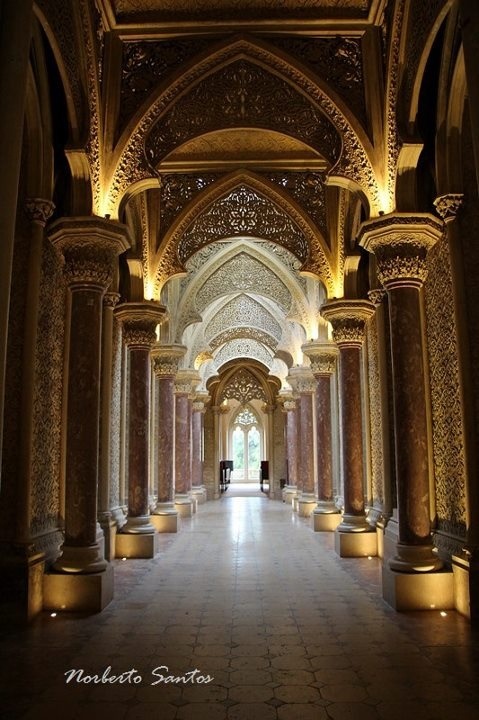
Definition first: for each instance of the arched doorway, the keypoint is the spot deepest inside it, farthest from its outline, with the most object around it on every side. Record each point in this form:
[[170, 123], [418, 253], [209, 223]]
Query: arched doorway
[[246, 439]]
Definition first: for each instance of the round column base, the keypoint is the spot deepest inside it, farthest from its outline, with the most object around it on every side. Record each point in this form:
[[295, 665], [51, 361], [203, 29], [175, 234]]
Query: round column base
[[306, 505], [415, 559], [80, 560], [354, 524], [184, 505], [140, 525], [199, 492], [289, 493], [326, 507]]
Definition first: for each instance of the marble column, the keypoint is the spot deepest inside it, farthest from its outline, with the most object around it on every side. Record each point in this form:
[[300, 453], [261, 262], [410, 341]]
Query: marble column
[[90, 247], [165, 365], [291, 440], [185, 383], [400, 243], [138, 536], [323, 357], [105, 517], [15, 36], [303, 383], [198, 490], [354, 536]]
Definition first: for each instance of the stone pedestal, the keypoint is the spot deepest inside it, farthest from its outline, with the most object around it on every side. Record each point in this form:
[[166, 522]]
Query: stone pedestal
[[325, 521], [400, 243], [418, 591], [78, 593], [90, 247], [165, 366], [349, 318], [139, 321]]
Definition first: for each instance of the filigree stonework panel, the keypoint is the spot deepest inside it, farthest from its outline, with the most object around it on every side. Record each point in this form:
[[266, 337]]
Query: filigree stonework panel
[[147, 63], [47, 427], [243, 332], [246, 95], [176, 192], [447, 422], [308, 190], [243, 348], [375, 409], [336, 59], [243, 212], [243, 386], [243, 311], [246, 274]]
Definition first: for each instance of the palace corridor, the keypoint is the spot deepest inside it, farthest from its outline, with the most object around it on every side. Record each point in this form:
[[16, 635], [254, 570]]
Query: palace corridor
[[287, 636]]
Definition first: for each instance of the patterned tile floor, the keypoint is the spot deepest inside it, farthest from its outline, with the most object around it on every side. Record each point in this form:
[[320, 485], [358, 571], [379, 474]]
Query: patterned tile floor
[[247, 594]]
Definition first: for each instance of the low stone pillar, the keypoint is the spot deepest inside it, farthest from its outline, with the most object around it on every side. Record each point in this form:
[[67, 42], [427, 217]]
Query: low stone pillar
[[165, 516], [90, 246], [138, 538], [354, 536], [323, 357]]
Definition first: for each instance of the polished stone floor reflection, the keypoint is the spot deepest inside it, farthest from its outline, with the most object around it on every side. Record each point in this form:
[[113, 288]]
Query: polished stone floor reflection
[[250, 595]]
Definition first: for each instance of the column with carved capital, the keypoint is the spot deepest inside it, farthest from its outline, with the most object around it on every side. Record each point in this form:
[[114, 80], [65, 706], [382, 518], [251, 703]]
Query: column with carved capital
[[291, 442], [138, 537], [198, 490], [354, 536], [165, 366], [185, 383], [323, 356], [303, 383], [90, 247], [400, 243]]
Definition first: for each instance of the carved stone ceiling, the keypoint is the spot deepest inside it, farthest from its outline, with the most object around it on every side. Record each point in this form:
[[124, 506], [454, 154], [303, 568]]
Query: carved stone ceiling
[[197, 9]]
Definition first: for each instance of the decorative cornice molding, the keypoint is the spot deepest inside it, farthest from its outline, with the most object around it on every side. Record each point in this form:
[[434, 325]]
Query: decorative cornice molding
[[401, 243]]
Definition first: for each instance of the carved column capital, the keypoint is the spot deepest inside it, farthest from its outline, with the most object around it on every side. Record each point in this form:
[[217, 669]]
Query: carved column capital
[[449, 205], [289, 405], [323, 357], [401, 243], [201, 399], [166, 359], [139, 320], [90, 247], [186, 381], [302, 380], [111, 299], [39, 210], [348, 319], [377, 296]]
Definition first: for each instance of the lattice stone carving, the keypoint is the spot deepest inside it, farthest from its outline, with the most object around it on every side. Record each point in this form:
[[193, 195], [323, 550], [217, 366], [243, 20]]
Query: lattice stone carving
[[246, 95], [243, 348], [247, 274], [172, 9], [336, 59], [447, 422], [146, 63], [246, 312], [243, 332], [177, 190], [243, 212], [308, 189], [244, 387]]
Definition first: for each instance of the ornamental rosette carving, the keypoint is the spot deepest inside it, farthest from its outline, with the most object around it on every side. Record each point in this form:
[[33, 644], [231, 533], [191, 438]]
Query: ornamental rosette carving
[[448, 206], [401, 244], [349, 319]]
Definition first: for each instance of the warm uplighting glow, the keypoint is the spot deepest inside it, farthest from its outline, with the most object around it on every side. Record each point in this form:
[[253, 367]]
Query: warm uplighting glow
[[386, 204], [53, 614], [443, 614], [123, 559], [150, 290], [369, 557]]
